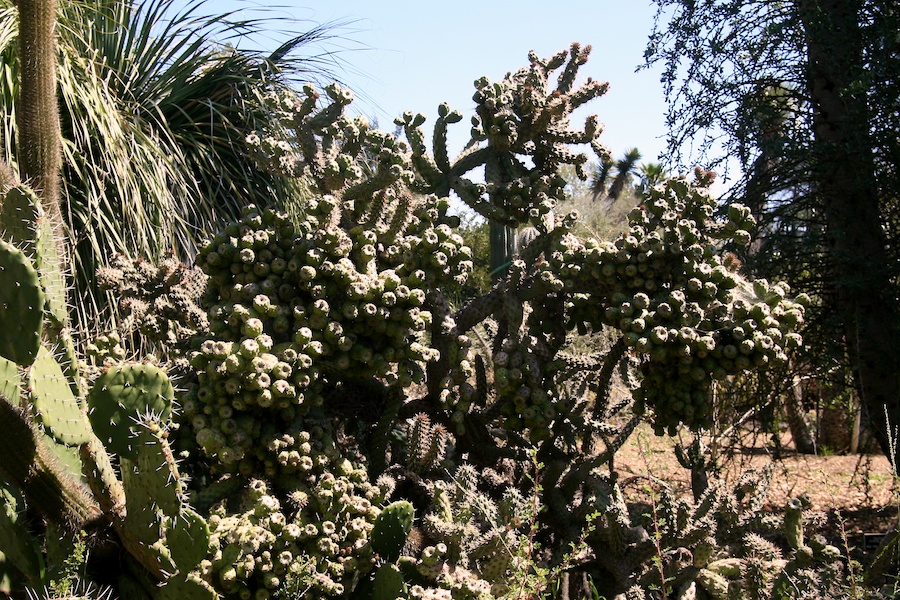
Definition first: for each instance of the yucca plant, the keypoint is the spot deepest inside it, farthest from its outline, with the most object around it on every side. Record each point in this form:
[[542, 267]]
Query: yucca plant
[[154, 105]]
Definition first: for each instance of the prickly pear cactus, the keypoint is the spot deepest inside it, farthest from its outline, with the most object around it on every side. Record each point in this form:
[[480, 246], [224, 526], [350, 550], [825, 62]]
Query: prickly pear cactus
[[21, 306], [391, 529], [121, 397]]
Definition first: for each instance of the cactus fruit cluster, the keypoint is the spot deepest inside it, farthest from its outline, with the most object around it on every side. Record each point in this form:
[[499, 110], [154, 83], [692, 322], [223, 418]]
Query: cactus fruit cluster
[[323, 374]]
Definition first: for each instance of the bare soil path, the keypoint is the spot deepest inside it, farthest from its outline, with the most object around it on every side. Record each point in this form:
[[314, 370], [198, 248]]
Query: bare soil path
[[858, 491]]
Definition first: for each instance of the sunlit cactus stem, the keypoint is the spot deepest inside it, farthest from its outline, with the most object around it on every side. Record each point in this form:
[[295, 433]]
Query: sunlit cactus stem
[[39, 151]]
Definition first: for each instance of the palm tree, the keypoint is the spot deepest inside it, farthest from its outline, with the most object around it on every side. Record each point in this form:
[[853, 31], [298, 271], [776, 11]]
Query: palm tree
[[652, 174], [624, 169], [600, 177], [155, 108]]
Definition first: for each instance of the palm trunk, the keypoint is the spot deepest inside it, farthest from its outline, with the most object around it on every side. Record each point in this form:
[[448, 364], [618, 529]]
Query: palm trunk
[[844, 171]]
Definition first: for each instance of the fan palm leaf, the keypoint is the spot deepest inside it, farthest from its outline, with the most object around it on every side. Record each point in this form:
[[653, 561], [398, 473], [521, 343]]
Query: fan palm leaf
[[624, 169], [155, 107]]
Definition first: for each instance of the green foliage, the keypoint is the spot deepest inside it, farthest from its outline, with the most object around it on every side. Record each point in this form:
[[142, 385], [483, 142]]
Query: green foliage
[[154, 103], [330, 371]]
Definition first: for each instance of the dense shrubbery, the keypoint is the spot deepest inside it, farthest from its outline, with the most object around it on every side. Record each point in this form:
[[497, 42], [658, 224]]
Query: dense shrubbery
[[336, 433]]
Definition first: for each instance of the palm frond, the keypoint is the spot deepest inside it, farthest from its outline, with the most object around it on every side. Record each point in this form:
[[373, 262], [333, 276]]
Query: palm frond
[[157, 102]]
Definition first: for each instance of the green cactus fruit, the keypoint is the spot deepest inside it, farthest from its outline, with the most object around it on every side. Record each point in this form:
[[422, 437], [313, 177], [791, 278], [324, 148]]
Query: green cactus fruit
[[19, 546], [187, 588], [391, 529], [123, 395], [9, 381], [187, 536], [389, 583], [56, 406], [21, 303]]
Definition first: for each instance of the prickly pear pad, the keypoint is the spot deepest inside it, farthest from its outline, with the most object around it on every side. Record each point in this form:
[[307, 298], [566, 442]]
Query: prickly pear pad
[[20, 216], [121, 396], [21, 303], [9, 381], [389, 583], [57, 408], [187, 537], [25, 227], [391, 529], [19, 546]]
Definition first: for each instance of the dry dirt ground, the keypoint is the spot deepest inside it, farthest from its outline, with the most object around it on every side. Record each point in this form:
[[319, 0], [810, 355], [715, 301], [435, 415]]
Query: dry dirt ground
[[858, 492]]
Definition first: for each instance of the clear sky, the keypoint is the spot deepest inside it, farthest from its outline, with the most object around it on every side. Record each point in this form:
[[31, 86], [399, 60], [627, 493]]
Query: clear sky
[[412, 55]]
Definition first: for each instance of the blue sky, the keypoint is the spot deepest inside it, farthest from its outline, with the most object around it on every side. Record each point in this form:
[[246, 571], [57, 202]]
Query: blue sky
[[404, 55]]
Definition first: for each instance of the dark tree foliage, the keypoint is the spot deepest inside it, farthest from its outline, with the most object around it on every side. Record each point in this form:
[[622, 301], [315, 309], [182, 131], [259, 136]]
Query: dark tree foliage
[[803, 95]]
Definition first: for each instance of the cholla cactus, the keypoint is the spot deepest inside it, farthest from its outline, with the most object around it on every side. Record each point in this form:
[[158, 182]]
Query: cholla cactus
[[475, 540], [332, 326], [158, 300], [315, 542], [426, 444]]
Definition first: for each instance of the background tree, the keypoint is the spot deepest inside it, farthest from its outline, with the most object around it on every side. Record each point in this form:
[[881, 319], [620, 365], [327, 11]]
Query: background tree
[[624, 173], [651, 175], [621, 171], [801, 93]]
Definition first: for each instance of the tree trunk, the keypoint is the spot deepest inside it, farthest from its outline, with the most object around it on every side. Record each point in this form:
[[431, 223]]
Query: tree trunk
[[797, 422], [843, 170], [503, 240]]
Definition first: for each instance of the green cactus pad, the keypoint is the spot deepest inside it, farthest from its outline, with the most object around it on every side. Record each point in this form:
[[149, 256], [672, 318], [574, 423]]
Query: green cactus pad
[[188, 588], [187, 536], [20, 219], [50, 270], [391, 529], [21, 302], [153, 480], [151, 483], [26, 228], [9, 381], [68, 456], [56, 406], [19, 546], [389, 583], [120, 397]]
